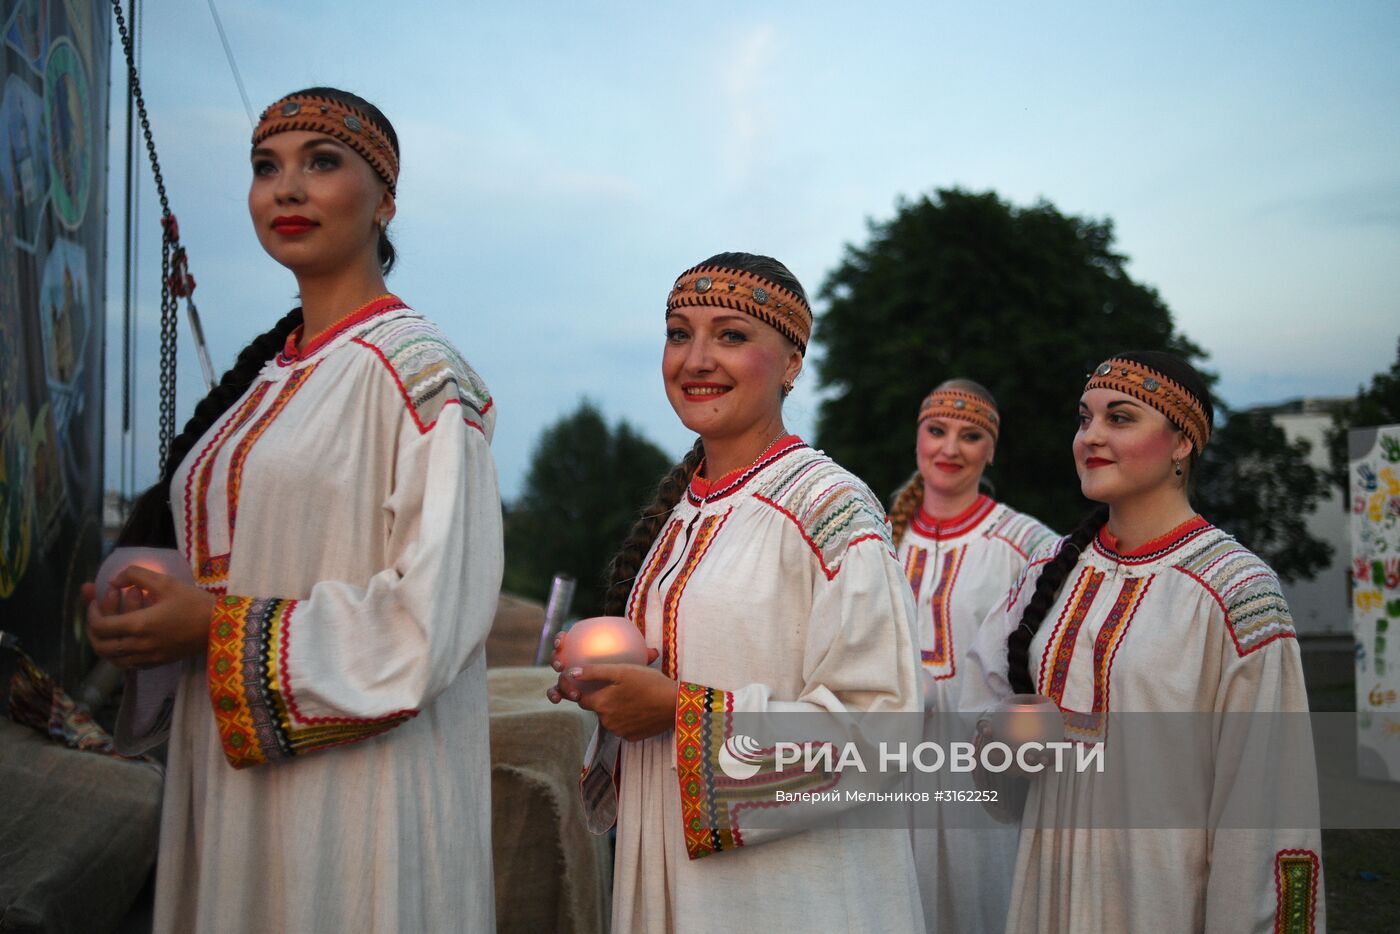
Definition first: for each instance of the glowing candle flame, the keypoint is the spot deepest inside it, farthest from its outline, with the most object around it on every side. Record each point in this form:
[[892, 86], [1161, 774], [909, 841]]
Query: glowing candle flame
[[602, 640], [1028, 718], [166, 561]]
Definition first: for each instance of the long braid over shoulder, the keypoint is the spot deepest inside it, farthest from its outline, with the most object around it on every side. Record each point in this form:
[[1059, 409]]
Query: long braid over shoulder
[[907, 503], [623, 568], [151, 521], [1047, 587]]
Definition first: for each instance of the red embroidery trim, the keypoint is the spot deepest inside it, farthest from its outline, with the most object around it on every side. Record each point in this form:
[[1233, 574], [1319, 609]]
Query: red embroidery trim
[[942, 657], [701, 490], [961, 524], [408, 400], [379, 306], [1239, 650], [1282, 923], [1066, 629], [915, 560], [670, 608], [830, 574], [637, 613], [210, 569], [1160, 546]]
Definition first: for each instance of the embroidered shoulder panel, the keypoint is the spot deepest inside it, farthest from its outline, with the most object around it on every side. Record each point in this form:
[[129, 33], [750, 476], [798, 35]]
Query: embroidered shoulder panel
[[1246, 588], [831, 507], [1023, 533], [429, 371]]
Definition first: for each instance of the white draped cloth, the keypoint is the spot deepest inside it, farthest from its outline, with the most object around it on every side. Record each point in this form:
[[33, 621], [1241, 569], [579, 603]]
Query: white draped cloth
[[773, 589], [329, 764], [1190, 622], [961, 569]]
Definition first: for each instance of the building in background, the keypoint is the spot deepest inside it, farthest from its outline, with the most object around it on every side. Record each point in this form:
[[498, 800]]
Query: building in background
[[1321, 606]]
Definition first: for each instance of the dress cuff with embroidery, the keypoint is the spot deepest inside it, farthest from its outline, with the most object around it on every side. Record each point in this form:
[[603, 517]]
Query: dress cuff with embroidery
[[257, 717], [700, 738], [1295, 881]]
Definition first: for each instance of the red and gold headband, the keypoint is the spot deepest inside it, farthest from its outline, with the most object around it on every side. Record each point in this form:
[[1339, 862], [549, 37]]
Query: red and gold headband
[[1158, 390], [779, 308], [959, 403], [317, 114]]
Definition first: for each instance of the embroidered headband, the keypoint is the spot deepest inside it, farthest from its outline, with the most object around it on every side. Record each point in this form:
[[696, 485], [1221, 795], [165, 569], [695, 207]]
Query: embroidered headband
[[779, 308], [959, 403], [1158, 390], [327, 115]]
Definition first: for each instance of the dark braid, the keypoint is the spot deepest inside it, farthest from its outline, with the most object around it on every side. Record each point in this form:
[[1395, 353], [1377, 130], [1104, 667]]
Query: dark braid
[[151, 521], [622, 570], [1047, 587]]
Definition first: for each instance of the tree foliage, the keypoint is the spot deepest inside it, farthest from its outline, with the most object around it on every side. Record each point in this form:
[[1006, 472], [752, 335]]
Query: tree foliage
[[1027, 301], [1024, 300], [582, 491], [1260, 487], [1377, 404]]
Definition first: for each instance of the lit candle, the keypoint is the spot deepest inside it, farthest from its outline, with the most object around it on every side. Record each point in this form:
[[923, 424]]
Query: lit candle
[[1028, 718], [166, 561], [602, 640]]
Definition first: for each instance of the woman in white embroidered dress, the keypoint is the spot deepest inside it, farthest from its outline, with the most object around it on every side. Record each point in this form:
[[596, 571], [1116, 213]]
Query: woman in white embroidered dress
[[1147, 608], [961, 552], [350, 445], [763, 577]]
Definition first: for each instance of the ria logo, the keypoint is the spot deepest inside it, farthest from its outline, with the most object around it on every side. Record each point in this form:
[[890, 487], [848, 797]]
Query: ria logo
[[741, 757]]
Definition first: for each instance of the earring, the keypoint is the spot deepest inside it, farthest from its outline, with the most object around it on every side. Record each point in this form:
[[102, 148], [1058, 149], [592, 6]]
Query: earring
[[1177, 465], [787, 388]]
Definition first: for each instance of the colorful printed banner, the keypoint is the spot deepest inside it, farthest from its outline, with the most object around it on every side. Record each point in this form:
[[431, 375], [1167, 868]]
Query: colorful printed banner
[[1375, 596], [53, 190]]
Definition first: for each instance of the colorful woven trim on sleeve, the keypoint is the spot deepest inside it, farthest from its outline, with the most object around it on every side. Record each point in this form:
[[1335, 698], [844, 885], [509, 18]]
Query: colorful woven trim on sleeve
[[721, 776], [253, 705], [1296, 875]]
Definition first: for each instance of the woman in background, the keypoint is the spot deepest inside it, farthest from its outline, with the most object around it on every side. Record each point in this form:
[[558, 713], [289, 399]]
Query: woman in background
[[961, 552]]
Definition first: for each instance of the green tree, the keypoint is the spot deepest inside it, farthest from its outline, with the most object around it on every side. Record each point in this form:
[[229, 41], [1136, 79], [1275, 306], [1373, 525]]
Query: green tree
[[1377, 404], [1024, 300], [1027, 301], [1259, 486], [583, 488]]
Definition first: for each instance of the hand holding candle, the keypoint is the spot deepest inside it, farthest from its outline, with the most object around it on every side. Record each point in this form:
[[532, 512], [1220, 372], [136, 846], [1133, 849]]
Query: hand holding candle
[[602, 640], [1028, 718], [165, 561], [1022, 719]]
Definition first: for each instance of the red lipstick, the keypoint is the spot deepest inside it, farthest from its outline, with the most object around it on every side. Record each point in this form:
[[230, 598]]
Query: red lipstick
[[1094, 462], [292, 225]]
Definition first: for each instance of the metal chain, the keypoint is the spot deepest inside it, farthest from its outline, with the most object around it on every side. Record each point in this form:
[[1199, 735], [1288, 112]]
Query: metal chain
[[170, 247]]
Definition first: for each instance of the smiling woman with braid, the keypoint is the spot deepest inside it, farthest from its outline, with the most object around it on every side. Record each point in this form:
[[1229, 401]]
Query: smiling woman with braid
[[336, 500], [764, 578], [1148, 608]]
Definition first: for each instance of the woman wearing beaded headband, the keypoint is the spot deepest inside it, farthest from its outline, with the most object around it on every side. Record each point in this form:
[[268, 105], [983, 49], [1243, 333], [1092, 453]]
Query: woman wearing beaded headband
[[763, 577], [350, 443], [1148, 608], [961, 551]]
